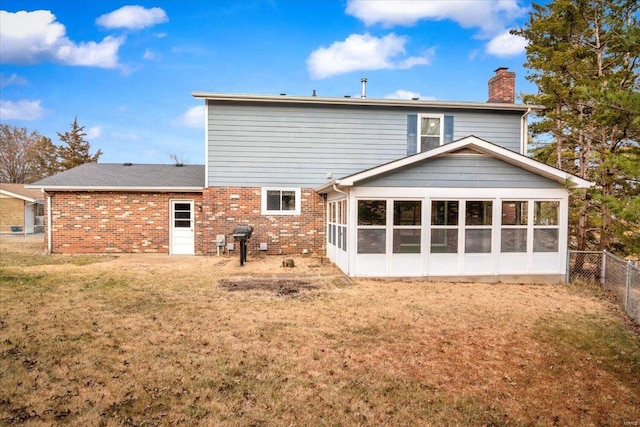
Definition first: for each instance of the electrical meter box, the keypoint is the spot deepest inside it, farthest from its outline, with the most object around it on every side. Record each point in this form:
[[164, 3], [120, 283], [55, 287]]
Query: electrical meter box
[[220, 240]]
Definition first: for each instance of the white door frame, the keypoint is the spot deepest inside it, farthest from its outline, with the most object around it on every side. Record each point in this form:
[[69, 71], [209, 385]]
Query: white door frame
[[181, 228]]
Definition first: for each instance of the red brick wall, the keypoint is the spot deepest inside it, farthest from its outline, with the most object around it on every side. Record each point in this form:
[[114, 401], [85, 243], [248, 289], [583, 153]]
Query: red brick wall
[[125, 222], [223, 208], [101, 222]]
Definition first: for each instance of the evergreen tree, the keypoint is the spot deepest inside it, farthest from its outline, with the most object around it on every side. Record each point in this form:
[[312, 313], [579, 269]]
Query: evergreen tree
[[44, 159], [75, 149], [584, 56]]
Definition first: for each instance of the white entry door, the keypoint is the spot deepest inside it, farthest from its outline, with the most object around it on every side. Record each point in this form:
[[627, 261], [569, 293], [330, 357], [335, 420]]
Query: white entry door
[[182, 231]]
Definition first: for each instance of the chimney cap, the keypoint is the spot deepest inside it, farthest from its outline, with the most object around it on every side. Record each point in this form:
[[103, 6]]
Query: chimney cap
[[500, 69]]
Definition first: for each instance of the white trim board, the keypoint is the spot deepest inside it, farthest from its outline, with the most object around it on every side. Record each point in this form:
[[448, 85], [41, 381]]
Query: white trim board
[[470, 142]]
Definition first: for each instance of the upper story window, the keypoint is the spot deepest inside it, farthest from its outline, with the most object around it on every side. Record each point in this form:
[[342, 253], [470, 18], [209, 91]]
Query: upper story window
[[431, 133], [281, 201]]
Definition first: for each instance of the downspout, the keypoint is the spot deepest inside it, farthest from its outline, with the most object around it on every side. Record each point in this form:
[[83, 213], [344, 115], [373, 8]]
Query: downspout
[[49, 223], [335, 188], [524, 132]]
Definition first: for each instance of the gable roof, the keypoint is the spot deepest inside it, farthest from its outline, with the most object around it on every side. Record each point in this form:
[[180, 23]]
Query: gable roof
[[126, 177], [19, 191], [365, 102], [469, 143]]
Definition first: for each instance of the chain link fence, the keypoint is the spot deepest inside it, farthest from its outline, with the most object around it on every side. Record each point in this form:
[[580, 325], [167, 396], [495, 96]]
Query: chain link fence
[[620, 276]]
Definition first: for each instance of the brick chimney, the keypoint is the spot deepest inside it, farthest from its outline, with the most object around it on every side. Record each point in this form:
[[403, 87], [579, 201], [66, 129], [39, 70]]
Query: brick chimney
[[502, 86]]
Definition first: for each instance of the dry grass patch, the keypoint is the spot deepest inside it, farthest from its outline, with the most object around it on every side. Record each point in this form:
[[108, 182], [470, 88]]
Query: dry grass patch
[[157, 340]]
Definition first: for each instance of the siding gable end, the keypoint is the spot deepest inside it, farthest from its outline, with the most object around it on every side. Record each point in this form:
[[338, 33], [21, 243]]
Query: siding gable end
[[462, 170]]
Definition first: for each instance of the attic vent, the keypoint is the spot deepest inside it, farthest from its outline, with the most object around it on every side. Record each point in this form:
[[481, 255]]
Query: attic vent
[[127, 164]]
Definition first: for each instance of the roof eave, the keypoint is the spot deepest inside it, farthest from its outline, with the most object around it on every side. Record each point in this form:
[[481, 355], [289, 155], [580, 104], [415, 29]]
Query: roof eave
[[325, 188], [18, 196], [119, 189], [483, 147], [403, 103]]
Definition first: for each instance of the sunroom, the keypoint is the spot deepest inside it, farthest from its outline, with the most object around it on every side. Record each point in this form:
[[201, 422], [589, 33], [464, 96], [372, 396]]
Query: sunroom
[[468, 210]]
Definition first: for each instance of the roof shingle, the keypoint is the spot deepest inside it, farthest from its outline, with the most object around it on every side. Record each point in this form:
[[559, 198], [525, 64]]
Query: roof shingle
[[122, 176]]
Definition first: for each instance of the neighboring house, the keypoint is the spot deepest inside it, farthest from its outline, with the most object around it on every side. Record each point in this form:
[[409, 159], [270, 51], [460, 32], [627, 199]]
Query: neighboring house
[[21, 209], [381, 187]]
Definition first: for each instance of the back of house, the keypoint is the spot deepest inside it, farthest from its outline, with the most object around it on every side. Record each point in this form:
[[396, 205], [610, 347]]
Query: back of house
[[389, 187], [381, 187]]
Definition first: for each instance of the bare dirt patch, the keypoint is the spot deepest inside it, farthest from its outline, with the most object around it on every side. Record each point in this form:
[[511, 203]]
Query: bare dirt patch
[[286, 287]]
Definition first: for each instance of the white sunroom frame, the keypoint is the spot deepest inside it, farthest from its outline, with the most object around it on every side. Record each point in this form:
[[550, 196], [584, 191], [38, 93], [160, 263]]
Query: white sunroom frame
[[522, 266]]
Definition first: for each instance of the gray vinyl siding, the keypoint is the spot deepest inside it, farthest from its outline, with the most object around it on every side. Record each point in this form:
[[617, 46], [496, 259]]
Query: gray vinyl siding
[[298, 145], [462, 171], [502, 129]]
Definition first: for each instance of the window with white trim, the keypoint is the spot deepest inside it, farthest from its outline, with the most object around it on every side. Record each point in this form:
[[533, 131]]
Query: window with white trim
[[372, 226], [513, 235], [477, 221], [280, 201], [546, 231], [431, 131], [444, 226], [407, 226], [337, 227]]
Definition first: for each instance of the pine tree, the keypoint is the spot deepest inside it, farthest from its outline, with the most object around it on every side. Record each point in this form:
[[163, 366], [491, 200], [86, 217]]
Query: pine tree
[[75, 149], [584, 56], [44, 159]]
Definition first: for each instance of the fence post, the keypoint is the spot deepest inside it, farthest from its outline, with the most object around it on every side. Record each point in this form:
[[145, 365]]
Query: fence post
[[603, 273], [567, 274], [627, 287]]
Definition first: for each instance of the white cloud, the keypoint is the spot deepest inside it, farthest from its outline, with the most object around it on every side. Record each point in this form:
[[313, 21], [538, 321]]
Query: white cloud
[[506, 44], [11, 80], [21, 110], [33, 37], [487, 15], [407, 94], [103, 54], [148, 54], [94, 132], [193, 117], [133, 18], [361, 52]]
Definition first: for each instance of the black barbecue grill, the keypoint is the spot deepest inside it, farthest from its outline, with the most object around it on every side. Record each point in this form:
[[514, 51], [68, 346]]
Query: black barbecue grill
[[242, 233]]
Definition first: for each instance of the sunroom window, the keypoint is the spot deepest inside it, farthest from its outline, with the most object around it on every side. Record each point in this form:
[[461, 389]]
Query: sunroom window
[[372, 222], [514, 226], [444, 226], [407, 221], [337, 229], [478, 219], [545, 226]]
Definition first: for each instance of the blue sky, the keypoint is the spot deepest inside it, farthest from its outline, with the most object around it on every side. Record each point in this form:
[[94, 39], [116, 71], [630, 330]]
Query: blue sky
[[127, 69]]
